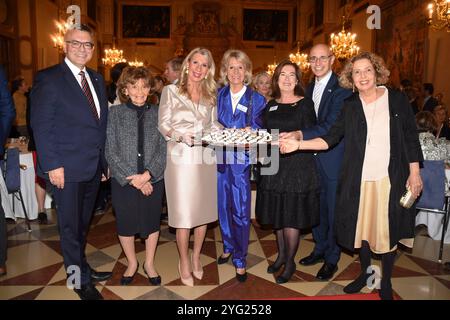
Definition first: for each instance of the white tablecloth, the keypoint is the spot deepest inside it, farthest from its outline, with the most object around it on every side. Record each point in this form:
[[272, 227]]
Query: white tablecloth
[[433, 221], [27, 186]]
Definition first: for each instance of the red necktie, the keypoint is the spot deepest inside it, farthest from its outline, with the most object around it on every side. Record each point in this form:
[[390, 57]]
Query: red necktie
[[88, 93]]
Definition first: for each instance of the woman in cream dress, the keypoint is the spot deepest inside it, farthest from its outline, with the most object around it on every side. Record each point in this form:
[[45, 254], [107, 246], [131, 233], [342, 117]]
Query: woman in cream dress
[[186, 111]]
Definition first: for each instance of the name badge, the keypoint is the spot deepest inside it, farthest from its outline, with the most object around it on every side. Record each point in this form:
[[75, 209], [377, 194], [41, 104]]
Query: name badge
[[273, 108], [242, 108]]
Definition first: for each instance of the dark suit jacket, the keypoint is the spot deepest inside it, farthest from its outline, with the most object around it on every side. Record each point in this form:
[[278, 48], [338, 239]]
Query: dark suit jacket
[[7, 110], [430, 104], [329, 109], [66, 132], [404, 149]]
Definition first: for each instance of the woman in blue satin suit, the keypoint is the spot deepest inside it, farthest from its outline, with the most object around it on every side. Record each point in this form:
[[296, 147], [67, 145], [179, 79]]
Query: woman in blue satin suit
[[238, 106]]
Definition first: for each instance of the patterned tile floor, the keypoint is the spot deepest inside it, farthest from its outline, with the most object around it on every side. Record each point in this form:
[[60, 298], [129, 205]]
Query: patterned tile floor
[[35, 267]]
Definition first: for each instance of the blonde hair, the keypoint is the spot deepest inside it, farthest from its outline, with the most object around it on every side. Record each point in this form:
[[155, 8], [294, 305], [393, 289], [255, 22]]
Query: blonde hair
[[240, 56], [258, 76], [208, 85], [381, 71]]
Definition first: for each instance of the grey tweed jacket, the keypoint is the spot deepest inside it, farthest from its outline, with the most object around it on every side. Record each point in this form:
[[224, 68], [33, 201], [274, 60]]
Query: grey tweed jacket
[[122, 143]]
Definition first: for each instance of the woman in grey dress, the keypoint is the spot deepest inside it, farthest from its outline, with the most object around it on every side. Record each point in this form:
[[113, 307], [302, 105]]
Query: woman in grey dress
[[136, 154], [186, 110]]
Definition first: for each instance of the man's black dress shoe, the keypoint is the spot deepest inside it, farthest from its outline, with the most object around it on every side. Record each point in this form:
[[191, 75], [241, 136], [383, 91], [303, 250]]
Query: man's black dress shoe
[[222, 260], [88, 292], [311, 259], [100, 276], [124, 281], [327, 271], [156, 281]]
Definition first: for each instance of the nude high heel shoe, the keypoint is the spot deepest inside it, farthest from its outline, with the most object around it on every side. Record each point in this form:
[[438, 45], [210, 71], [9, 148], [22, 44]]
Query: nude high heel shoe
[[197, 274], [186, 281]]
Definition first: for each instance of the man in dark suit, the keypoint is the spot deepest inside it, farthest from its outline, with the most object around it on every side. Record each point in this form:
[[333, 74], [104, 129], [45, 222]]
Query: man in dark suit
[[328, 98], [429, 102], [68, 117], [7, 116]]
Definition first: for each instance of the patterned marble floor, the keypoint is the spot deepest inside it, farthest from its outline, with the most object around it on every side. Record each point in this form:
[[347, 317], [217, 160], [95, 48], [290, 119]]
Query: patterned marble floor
[[35, 267]]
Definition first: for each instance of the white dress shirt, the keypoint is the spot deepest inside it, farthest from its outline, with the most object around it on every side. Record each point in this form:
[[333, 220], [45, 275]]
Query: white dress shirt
[[75, 70], [236, 97], [319, 88]]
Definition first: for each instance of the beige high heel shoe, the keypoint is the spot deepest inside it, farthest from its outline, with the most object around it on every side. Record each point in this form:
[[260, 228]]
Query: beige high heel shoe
[[186, 281], [197, 274]]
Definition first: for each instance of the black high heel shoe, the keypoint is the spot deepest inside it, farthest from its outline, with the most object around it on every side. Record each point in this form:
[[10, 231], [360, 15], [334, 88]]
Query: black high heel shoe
[[223, 260], [155, 281], [124, 281], [287, 274], [274, 268], [241, 277]]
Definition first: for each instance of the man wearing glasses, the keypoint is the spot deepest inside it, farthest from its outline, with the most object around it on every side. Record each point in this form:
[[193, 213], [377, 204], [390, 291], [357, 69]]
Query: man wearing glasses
[[328, 98], [68, 118]]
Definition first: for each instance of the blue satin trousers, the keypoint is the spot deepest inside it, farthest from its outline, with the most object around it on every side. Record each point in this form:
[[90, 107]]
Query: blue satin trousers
[[234, 201]]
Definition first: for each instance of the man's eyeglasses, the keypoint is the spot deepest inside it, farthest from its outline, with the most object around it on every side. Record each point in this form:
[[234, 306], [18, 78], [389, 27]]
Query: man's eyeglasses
[[77, 44], [321, 59]]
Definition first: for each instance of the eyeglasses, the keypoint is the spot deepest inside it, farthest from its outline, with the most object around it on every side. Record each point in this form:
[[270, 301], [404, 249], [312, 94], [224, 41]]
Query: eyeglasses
[[360, 73], [77, 44], [321, 59]]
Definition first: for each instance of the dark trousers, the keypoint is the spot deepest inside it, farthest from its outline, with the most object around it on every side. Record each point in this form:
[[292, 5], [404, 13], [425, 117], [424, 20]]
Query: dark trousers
[[75, 204], [3, 235], [324, 233]]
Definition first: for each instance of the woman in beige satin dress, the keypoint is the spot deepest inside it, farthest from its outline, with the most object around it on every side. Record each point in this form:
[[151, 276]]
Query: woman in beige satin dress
[[186, 111]]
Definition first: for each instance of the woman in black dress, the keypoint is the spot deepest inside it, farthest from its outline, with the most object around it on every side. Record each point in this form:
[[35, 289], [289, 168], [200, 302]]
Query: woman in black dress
[[136, 154], [289, 199]]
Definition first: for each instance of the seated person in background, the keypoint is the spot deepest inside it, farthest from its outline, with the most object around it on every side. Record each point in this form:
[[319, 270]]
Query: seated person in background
[[442, 129], [432, 147]]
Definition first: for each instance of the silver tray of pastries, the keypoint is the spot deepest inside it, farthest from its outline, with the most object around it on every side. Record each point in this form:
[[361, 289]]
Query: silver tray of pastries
[[237, 137]]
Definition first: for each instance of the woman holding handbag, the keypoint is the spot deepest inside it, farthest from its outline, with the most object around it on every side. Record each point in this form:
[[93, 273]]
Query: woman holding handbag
[[238, 107]]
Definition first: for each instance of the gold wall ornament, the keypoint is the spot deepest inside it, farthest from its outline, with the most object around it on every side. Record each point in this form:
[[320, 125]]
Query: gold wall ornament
[[439, 15], [344, 45]]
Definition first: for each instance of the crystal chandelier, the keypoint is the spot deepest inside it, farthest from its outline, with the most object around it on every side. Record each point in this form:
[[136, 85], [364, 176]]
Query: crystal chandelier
[[58, 37], [136, 63], [343, 44], [112, 57], [442, 16], [300, 59], [271, 67]]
